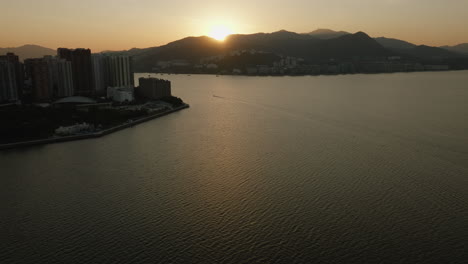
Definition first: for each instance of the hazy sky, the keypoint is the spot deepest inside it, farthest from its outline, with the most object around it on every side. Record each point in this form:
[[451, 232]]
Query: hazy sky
[[123, 24]]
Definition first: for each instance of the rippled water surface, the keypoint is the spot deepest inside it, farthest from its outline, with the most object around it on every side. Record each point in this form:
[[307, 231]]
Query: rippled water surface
[[338, 169]]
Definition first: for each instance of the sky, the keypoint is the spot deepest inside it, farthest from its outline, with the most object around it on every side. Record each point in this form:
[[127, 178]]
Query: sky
[[124, 24]]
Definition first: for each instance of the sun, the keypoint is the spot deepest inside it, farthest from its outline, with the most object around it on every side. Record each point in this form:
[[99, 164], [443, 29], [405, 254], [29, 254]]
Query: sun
[[220, 32]]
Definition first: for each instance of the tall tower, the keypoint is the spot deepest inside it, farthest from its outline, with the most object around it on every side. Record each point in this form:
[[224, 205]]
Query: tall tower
[[61, 76], [37, 71], [12, 70], [82, 69], [8, 88], [120, 71], [100, 73]]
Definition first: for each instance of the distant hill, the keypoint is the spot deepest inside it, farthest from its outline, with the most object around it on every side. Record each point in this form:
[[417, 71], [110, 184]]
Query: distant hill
[[351, 46], [422, 51], [430, 53], [29, 51], [190, 49], [461, 48], [394, 44], [130, 52], [327, 33], [313, 48], [281, 42], [310, 48]]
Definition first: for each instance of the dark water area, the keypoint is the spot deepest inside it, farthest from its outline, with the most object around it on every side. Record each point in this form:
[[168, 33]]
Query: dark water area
[[330, 169]]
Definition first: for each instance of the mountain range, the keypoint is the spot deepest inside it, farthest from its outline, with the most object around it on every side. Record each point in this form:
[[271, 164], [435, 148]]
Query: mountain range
[[29, 51], [323, 33], [318, 46], [286, 43], [461, 48]]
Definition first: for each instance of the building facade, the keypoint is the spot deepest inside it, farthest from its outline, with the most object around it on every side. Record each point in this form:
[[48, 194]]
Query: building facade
[[12, 78], [121, 94], [153, 88], [81, 69], [120, 70], [8, 87], [111, 71], [100, 74], [37, 73], [60, 76]]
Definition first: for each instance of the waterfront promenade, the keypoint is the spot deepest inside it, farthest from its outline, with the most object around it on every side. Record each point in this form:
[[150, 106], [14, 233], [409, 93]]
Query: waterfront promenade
[[91, 135]]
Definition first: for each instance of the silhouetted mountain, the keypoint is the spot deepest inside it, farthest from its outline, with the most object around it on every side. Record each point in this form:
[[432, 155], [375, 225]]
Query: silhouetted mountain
[[189, 49], [281, 42], [351, 46], [430, 53], [312, 49], [130, 52], [394, 44], [29, 51], [421, 52], [284, 34], [461, 48], [346, 48], [327, 33]]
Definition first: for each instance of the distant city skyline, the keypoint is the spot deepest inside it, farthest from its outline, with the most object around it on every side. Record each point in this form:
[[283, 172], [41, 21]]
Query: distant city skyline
[[124, 24]]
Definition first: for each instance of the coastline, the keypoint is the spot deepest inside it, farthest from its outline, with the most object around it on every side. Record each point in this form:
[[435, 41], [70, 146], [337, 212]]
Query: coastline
[[90, 135], [294, 75]]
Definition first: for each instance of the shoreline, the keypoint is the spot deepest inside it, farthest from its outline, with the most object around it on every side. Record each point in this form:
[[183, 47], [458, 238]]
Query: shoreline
[[90, 135], [301, 75]]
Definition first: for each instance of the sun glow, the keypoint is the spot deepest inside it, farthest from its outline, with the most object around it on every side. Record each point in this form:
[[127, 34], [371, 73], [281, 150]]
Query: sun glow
[[220, 32]]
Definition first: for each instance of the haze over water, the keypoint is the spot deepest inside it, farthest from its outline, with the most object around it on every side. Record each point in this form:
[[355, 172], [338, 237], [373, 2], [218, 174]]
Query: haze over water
[[329, 169]]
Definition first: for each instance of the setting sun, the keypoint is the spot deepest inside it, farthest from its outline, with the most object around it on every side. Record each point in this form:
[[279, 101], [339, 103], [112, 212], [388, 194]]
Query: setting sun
[[220, 32]]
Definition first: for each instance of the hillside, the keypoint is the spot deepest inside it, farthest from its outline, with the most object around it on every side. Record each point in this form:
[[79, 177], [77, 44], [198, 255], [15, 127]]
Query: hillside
[[430, 53], [394, 44], [312, 49], [29, 51], [461, 48], [190, 49], [327, 33]]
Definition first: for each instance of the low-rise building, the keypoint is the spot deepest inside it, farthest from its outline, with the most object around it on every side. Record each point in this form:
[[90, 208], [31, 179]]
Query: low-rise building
[[121, 94]]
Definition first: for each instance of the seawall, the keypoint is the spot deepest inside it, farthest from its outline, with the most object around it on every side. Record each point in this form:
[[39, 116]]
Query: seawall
[[90, 135]]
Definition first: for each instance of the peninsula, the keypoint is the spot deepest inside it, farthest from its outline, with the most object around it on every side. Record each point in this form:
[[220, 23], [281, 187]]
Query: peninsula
[[35, 125], [75, 95]]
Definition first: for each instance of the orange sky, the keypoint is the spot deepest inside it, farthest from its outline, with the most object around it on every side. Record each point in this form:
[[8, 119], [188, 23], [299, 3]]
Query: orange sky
[[124, 24]]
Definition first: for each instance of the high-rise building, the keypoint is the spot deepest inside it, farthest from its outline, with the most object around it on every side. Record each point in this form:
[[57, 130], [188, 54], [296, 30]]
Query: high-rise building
[[18, 71], [60, 76], [100, 73], [8, 87], [37, 72], [82, 69], [120, 71], [112, 71], [153, 88]]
